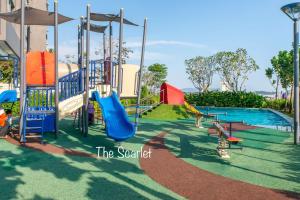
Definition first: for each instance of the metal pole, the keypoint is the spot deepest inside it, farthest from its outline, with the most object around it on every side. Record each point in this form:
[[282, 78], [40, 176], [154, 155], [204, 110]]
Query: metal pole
[[22, 59], [296, 83], [81, 67], [111, 57], [120, 53], [28, 38], [88, 10], [78, 43], [104, 47], [82, 41], [56, 65], [140, 75]]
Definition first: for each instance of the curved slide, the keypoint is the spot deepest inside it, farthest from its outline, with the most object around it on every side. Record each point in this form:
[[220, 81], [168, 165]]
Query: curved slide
[[118, 126]]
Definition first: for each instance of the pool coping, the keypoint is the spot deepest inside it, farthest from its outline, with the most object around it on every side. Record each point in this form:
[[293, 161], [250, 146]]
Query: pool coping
[[284, 116]]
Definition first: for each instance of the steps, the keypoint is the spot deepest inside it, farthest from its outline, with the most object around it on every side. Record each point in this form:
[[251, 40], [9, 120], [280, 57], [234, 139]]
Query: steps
[[149, 110], [34, 125]]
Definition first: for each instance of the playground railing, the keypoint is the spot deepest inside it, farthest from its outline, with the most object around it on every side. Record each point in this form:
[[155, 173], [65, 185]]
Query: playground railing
[[71, 84], [149, 104], [40, 98], [99, 75]]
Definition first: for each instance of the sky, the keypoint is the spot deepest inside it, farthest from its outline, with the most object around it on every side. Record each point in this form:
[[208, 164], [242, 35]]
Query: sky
[[180, 30]]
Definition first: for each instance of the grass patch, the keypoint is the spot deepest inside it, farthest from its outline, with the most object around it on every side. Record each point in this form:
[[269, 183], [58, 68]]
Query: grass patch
[[168, 112]]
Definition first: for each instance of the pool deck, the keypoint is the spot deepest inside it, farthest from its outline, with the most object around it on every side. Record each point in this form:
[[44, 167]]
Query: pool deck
[[268, 165]]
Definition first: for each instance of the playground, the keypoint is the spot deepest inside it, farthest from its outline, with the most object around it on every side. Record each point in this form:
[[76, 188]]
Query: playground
[[73, 137], [69, 167]]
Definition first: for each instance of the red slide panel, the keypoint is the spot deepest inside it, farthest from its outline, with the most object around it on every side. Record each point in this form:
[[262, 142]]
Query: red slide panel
[[171, 95]]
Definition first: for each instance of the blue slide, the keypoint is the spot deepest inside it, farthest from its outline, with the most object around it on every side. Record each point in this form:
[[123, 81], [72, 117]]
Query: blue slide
[[118, 126], [8, 96]]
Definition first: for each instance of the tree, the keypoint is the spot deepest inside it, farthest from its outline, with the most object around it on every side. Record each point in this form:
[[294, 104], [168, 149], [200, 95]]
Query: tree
[[158, 73], [234, 68], [200, 71], [147, 78], [269, 72], [6, 69], [283, 66], [126, 52]]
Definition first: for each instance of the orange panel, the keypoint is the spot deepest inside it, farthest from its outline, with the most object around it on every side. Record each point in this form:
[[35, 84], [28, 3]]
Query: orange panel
[[40, 69]]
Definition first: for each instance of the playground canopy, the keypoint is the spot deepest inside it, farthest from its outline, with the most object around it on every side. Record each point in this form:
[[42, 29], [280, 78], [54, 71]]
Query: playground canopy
[[34, 16], [95, 28], [109, 18]]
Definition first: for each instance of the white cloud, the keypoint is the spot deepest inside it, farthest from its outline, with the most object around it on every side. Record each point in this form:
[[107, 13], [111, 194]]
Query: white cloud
[[149, 56], [70, 48], [165, 42]]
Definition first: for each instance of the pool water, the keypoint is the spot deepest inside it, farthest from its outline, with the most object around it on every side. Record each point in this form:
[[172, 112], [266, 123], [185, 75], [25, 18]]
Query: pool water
[[257, 117]]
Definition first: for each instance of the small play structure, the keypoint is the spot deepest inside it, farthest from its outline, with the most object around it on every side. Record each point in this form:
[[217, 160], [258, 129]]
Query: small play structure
[[171, 95], [50, 91], [174, 96]]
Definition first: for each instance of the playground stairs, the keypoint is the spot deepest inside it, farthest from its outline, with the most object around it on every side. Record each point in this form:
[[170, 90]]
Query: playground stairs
[[150, 104], [38, 113]]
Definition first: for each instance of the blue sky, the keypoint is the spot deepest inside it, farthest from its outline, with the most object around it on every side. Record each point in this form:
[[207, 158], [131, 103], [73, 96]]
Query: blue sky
[[179, 30]]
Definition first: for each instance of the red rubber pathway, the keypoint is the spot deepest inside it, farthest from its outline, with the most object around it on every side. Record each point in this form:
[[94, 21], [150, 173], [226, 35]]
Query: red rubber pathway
[[193, 183]]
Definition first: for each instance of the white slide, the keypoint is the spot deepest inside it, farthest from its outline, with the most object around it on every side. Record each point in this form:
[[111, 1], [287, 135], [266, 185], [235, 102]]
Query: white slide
[[70, 105]]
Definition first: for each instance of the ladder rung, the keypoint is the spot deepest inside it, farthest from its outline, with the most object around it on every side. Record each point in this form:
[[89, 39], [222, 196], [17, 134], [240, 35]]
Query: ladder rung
[[34, 136], [34, 119], [28, 128], [30, 112]]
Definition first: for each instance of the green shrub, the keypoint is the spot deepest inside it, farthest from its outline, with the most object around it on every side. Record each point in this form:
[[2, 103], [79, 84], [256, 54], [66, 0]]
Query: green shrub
[[277, 104], [226, 99]]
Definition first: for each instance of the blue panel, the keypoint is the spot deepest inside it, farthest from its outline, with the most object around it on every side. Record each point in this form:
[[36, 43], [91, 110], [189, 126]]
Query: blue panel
[[48, 124], [8, 96]]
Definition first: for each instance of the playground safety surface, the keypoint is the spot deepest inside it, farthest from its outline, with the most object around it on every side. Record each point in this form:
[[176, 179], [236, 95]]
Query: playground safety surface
[[195, 183]]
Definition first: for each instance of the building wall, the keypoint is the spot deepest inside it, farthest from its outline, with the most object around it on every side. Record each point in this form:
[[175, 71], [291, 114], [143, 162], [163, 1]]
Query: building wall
[[10, 33], [38, 35]]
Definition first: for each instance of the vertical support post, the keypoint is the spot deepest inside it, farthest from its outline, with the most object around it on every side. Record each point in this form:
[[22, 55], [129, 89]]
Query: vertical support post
[[78, 43], [28, 38], [88, 10], [111, 58], [296, 83], [104, 47], [82, 50], [141, 74], [81, 67], [23, 71], [56, 65], [120, 53]]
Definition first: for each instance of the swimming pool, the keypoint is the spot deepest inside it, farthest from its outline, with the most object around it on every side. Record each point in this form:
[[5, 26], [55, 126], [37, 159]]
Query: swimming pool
[[251, 116]]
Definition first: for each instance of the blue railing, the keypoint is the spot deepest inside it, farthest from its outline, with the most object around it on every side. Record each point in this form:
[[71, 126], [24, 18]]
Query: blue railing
[[41, 98], [71, 84], [100, 73], [75, 83]]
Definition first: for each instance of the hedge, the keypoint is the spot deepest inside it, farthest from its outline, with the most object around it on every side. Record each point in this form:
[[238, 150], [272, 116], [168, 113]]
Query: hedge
[[226, 99]]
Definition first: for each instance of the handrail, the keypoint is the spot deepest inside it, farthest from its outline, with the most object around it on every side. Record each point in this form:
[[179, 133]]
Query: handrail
[[142, 111], [71, 85], [153, 95]]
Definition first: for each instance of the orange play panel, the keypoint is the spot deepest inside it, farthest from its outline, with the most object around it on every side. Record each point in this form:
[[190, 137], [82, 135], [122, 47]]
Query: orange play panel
[[40, 69]]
